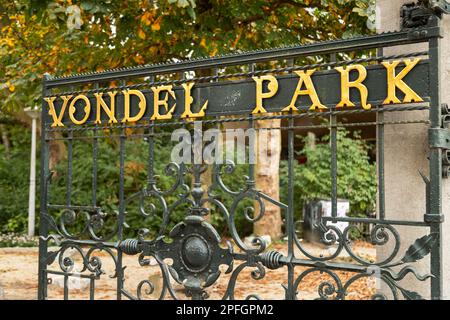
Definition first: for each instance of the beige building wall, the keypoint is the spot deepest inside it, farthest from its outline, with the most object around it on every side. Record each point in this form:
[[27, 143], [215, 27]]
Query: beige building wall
[[406, 151]]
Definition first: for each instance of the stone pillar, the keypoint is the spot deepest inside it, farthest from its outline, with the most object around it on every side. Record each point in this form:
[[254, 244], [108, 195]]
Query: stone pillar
[[406, 152]]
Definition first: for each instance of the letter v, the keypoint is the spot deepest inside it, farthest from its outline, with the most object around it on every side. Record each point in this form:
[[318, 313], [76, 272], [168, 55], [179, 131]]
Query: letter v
[[57, 119]]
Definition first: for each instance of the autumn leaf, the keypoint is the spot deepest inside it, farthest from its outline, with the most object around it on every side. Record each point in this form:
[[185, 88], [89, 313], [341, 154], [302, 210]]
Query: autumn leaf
[[147, 18], [156, 26], [141, 34], [10, 86], [139, 59], [203, 43], [213, 53]]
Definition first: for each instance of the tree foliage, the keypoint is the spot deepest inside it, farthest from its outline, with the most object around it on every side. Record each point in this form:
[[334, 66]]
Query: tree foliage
[[14, 183], [72, 36], [63, 37]]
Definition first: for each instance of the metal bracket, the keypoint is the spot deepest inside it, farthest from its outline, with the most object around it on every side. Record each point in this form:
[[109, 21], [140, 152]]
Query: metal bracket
[[439, 138], [416, 15]]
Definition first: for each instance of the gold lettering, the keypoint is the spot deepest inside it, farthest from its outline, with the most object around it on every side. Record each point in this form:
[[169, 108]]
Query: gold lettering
[[260, 95], [57, 119], [310, 90], [346, 84], [188, 100], [162, 103], [87, 109], [101, 104], [142, 105], [396, 82]]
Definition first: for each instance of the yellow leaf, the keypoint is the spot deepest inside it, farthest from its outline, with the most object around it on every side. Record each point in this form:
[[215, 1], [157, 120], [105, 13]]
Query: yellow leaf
[[11, 88], [139, 59], [141, 34], [203, 43], [147, 18], [153, 50], [156, 26]]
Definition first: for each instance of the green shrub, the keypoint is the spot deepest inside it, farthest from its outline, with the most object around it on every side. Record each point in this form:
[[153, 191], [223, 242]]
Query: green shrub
[[14, 180], [356, 175]]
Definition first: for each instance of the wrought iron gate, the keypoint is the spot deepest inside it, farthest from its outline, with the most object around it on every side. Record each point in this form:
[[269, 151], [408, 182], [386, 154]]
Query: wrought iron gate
[[95, 235]]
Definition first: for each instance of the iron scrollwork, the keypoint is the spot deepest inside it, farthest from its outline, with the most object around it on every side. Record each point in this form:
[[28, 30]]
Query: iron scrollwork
[[194, 250], [193, 245]]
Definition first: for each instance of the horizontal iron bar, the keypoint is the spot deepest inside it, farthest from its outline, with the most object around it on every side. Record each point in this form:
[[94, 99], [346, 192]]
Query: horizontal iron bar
[[61, 206], [91, 126], [327, 47], [93, 243], [378, 221], [71, 274], [284, 260], [325, 264], [234, 76], [283, 128]]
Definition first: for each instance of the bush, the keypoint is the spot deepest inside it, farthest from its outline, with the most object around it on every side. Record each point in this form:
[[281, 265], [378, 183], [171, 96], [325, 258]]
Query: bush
[[356, 175], [14, 180]]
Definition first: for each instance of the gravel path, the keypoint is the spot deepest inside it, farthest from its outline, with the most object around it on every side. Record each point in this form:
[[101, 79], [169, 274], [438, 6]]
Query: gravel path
[[19, 268]]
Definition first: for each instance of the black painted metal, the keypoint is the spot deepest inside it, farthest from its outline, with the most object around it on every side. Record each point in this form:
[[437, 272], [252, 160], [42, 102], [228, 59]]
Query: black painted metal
[[222, 95], [196, 250]]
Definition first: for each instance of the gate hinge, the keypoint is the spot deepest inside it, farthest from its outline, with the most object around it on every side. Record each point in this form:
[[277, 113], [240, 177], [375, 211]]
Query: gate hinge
[[420, 14], [439, 138]]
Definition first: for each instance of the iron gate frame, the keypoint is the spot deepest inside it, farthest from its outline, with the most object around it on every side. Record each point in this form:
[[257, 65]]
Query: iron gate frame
[[439, 138]]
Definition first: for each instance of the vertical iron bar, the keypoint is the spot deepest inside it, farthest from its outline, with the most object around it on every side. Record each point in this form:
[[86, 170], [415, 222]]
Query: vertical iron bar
[[43, 223], [69, 167], [151, 150], [380, 155], [66, 287], [333, 147], [215, 166], [251, 167], [92, 289], [121, 208], [94, 162], [435, 196], [290, 294], [184, 126], [69, 163]]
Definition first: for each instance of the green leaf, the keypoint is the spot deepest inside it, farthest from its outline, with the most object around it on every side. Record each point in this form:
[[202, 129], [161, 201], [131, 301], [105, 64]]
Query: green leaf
[[86, 5], [420, 248], [191, 12]]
